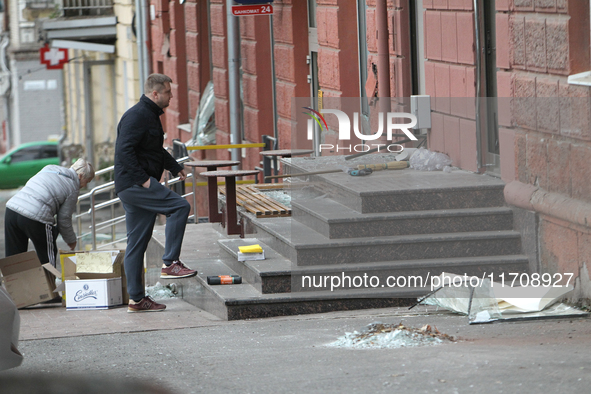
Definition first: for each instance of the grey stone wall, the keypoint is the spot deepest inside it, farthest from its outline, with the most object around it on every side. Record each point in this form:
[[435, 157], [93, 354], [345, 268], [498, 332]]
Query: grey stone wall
[[40, 101]]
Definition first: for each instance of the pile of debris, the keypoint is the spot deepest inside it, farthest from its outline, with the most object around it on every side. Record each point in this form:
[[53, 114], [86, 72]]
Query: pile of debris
[[484, 301], [162, 292], [391, 336]]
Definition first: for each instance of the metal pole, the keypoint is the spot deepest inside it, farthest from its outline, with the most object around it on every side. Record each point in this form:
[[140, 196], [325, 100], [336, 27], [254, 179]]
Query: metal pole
[[88, 117], [478, 49], [275, 116], [145, 60], [383, 55], [93, 220], [194, 184], [139, 22], [233, 37]]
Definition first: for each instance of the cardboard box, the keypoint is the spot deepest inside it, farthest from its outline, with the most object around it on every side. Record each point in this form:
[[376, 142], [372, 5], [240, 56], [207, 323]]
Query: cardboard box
[[84, 294], [26, 280], [94, 265]]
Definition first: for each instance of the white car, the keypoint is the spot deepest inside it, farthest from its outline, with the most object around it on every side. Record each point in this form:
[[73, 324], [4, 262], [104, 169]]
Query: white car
[[10, 323]]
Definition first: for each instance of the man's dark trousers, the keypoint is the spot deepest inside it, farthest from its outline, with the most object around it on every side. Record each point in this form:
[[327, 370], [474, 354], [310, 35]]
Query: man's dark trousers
[[141, 207]]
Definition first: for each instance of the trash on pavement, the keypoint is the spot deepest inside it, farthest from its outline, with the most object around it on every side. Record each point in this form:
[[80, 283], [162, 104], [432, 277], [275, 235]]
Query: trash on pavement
[[90, 294], [391, 336], [426, 160], [250, 252], [26, 280], [162, 292], [224, 280], [93, 265], [484, 301]]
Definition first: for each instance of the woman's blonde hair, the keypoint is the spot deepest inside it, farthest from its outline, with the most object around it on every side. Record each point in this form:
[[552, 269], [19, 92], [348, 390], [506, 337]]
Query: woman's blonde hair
[[84, 168]]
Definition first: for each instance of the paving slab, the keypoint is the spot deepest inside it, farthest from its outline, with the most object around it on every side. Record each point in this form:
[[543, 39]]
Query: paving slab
[[289, 355], [54, 321]]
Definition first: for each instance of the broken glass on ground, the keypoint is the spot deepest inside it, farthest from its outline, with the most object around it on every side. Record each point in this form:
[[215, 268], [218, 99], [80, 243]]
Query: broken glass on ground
[[484, 301], [162, 292], [391, 336], [280, 196]]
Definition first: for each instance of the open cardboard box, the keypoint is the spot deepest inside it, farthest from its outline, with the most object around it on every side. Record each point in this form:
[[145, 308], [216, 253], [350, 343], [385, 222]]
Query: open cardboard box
[[26, 280], [93, 265], [92, 294]]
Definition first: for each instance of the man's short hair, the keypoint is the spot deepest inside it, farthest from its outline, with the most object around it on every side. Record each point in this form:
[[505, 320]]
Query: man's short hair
[[155, 82]]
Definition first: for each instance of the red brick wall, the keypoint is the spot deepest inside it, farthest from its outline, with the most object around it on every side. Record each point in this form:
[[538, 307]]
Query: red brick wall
[[219, 52], [450, 78], [338, 58], [290, 31], [546, 126], [257, 81], [540, 43], [168, 29], [197, 52]]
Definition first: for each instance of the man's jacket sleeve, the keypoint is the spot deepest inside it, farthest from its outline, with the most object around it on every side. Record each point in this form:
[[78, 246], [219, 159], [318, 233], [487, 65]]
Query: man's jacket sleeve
[[131, 132], [170, 163]]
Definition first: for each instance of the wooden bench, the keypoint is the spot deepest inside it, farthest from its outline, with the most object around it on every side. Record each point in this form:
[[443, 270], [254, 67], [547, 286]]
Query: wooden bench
[[251, 198]]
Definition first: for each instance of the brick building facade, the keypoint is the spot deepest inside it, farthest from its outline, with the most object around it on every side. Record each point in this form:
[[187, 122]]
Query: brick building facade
[[533, 130]]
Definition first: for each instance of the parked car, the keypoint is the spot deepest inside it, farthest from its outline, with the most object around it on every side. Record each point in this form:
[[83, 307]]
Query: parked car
[[10, 323], [21, 163]]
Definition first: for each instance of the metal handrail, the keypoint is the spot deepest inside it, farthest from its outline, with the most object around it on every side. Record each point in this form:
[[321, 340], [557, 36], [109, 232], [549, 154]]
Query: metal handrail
[[110, 186], [106, 187]]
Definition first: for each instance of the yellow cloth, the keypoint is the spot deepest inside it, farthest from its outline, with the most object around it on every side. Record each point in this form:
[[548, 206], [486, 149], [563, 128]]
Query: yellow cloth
[[251, 249]]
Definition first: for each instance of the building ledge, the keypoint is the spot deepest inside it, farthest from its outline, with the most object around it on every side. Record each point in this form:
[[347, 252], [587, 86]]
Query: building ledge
[[185, 127], [583, 79], [89, 28]]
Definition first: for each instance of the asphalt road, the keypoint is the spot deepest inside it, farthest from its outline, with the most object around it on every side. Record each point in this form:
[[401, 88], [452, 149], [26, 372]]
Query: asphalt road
[[289, 355]]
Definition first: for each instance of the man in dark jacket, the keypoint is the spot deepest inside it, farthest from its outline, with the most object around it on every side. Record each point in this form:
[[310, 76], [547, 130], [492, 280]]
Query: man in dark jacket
[[140, 160]]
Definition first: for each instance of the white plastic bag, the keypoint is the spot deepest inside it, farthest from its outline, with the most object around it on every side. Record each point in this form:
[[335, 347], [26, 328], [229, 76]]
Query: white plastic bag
[[425, 160]]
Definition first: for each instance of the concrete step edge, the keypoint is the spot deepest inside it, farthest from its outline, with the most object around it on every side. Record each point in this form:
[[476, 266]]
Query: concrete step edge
[[419, 264], [330, 296], [349, 215], [318, 240]]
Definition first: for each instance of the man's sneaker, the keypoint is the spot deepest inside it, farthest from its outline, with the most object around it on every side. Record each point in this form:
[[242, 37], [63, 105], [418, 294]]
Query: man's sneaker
[[177, 270], [146, 304]]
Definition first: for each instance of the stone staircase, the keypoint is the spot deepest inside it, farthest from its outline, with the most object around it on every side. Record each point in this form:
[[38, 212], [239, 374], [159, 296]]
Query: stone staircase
[[392, 224]]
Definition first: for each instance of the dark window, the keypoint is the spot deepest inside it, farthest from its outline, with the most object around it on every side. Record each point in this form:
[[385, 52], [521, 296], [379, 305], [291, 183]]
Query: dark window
[[25, 154], [48, 151]]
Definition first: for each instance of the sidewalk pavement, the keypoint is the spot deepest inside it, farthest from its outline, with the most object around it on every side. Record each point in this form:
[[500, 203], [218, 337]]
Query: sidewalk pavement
[[185, 350]]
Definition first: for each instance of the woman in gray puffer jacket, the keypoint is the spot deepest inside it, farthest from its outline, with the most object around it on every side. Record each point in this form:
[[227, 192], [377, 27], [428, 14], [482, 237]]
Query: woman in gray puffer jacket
[[30, 213]]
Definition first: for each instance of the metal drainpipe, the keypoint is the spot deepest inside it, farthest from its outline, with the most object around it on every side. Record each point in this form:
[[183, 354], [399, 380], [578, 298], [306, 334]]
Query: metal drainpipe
[[139, 22], [477, 103], [275, 116], [233, 37], [6, 70], [383, 55], [146, 55]]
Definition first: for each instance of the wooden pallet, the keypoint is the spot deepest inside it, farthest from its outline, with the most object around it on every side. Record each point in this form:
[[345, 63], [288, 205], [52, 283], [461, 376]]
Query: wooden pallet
[[250, 198]]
